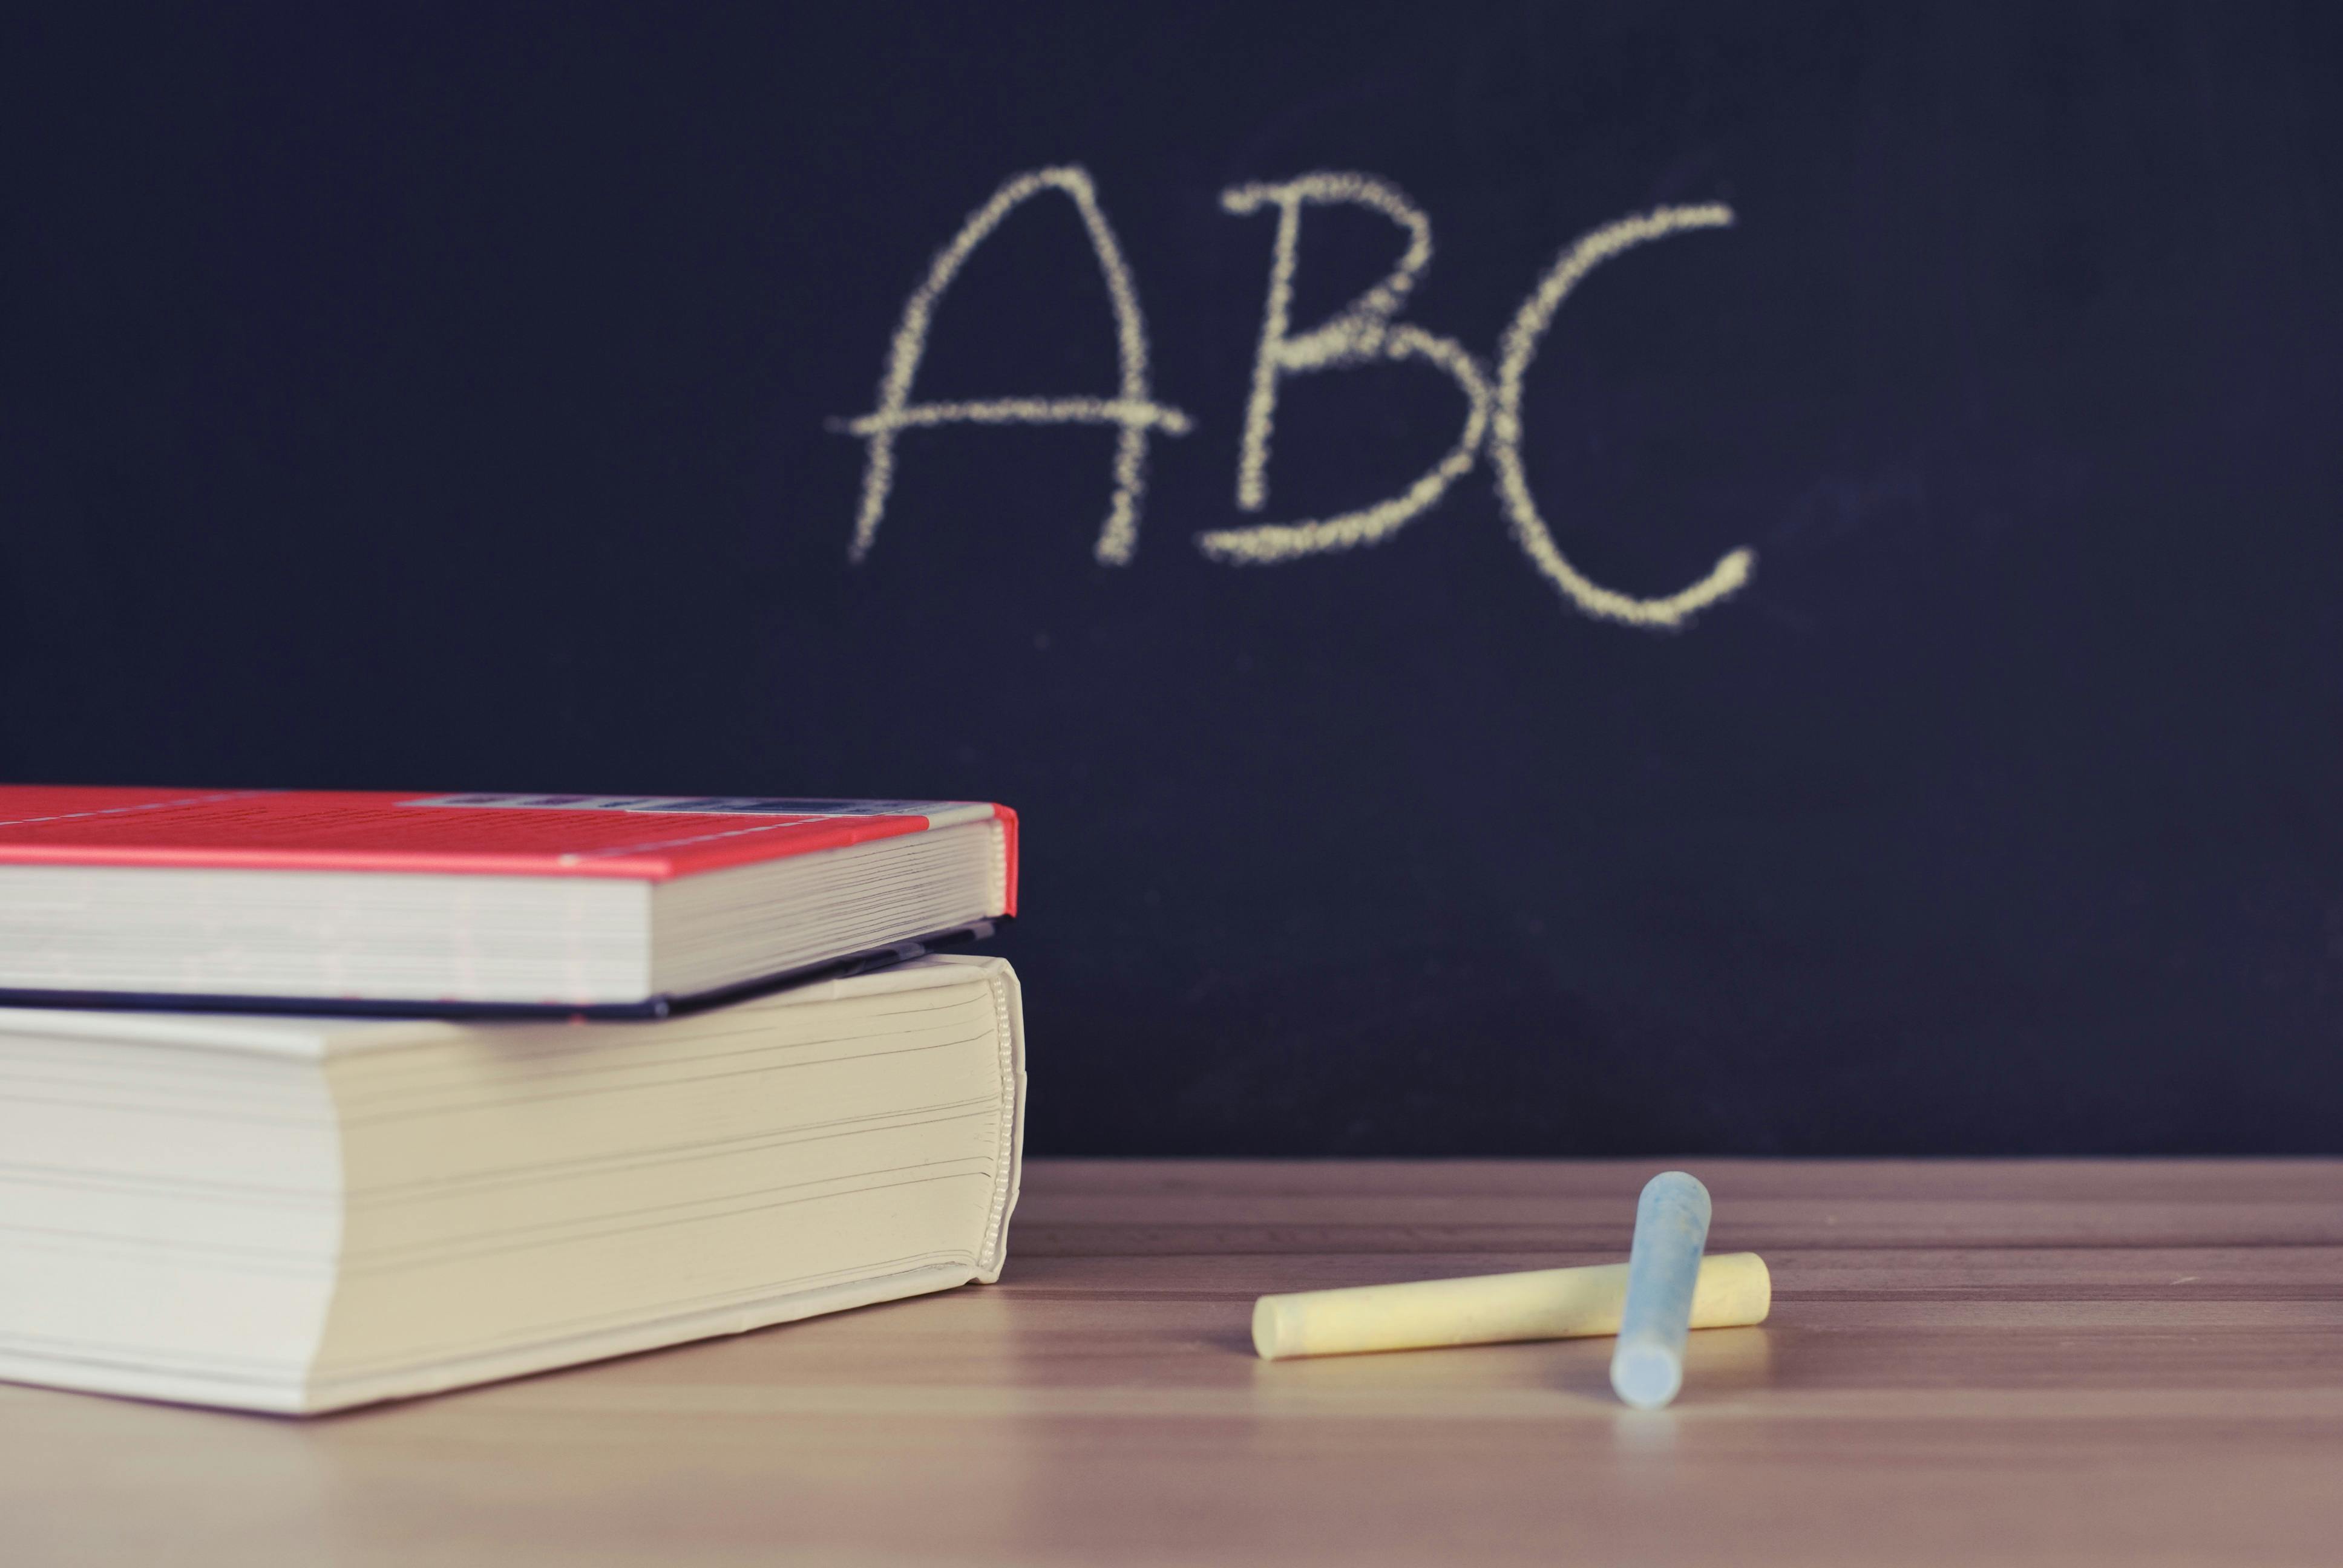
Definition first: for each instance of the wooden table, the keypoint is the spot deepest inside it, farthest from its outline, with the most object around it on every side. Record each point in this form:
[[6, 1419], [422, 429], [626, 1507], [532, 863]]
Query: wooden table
[[2006, 1362]]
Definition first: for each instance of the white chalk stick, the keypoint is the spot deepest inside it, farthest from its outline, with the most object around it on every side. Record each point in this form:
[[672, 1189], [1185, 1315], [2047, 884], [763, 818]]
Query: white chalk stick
[[1734, 1291], [1663, 1266]]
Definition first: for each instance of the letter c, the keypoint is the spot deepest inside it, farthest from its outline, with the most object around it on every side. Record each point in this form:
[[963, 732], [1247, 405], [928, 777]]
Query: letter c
[[1518, 348]]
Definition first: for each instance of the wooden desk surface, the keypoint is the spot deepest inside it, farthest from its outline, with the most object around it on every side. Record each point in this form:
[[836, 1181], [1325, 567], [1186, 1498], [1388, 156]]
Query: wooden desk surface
[[2012, 1362]]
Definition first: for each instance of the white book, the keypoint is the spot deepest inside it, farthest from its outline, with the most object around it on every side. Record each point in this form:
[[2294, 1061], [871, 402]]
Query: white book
[[303, 1213]]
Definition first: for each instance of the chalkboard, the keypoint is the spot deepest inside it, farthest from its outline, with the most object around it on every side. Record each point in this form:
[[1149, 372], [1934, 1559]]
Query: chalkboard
[[1801, 617]]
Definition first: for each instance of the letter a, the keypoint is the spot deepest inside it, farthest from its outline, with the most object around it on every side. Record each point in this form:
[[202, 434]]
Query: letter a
[[1132, 408], [1359, 333]]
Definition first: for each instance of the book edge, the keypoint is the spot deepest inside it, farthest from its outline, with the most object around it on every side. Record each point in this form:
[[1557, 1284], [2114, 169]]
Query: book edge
[[304, 1029], [306, 1397]]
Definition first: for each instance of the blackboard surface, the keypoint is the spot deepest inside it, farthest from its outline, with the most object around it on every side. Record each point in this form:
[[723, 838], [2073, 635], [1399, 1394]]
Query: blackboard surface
[[450, 398]]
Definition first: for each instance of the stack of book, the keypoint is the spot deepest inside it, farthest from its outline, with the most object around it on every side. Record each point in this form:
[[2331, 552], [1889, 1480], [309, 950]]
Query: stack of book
[[311, 1100]]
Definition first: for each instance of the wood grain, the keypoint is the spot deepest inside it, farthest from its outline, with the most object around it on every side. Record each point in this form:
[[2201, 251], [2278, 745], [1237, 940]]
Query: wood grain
[[2012, 1362]]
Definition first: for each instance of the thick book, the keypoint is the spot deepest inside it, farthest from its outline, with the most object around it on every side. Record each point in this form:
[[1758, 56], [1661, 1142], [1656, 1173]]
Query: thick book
[[299, 1214], [621, 905]]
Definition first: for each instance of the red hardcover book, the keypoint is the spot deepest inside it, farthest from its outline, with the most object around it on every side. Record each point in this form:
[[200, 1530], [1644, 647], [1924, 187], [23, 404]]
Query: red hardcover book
[[605, 904]]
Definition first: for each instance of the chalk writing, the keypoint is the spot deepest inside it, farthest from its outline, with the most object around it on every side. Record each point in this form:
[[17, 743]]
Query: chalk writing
[[1514, 353], [1361, 333], [1132, 410], [1358, 333]]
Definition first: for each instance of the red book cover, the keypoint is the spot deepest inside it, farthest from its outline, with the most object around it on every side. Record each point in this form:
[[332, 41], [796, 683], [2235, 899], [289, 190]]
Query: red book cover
[[651, 838]]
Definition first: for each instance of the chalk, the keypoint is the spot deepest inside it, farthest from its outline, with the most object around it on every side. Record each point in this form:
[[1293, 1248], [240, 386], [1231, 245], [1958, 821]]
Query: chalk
[[1663, 1267], [1734, 1291]]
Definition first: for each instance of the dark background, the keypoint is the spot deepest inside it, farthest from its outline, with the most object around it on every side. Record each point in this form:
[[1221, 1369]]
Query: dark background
[[435, 398]]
